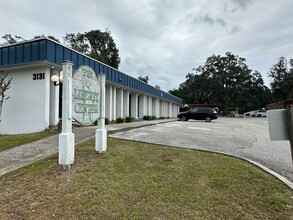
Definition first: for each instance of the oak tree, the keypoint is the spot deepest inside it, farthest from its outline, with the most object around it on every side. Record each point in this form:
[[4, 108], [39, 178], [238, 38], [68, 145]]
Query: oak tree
[[282, 79]]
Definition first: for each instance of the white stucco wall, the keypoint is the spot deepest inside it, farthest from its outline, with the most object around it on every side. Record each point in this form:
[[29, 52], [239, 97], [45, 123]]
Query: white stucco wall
[[164, 109], [175, 110], [34, 104], [27, 109]]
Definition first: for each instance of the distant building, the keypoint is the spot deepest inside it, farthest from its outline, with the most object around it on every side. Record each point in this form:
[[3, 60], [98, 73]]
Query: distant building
[[278, 105], [34, 100]]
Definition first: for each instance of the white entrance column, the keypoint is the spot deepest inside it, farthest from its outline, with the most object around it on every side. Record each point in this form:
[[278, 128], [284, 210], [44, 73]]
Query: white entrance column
[[149, 106], [125, 103], [114, 103], [109, 105], [134, 105], [101, 132], [142, 105], [66, 138], [119, 103]]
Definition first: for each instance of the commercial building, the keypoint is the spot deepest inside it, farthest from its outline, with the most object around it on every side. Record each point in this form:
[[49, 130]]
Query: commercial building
[[33, 103]]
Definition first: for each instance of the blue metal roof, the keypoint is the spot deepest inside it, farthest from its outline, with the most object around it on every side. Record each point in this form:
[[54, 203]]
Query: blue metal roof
[[47, 50]]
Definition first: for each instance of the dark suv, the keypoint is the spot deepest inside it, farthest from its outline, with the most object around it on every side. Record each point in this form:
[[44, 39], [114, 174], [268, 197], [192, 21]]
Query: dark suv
[[206, 114]]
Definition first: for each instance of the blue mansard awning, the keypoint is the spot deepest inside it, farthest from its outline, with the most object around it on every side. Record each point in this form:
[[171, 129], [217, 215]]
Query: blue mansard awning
[[49, 51]]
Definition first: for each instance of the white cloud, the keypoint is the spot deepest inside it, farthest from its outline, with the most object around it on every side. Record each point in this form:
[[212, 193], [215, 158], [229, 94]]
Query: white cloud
[[164, 39]]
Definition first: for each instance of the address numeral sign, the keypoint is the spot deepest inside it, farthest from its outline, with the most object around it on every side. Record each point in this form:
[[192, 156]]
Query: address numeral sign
[[38, 76]]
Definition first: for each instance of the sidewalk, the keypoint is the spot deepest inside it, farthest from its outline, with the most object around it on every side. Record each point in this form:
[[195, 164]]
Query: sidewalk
[[23, 155]]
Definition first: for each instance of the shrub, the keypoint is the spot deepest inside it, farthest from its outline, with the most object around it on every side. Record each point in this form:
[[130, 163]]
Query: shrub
[[129, 119], [106, 122], [153, 117], [147, 117], [120, 120]]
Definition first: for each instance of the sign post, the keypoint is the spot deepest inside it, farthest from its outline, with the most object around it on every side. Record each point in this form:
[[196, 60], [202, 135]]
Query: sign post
[[101, 132], [66, 138]]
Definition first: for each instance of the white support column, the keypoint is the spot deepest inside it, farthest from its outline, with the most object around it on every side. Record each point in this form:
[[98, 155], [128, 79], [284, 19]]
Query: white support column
[[109, 105], [101, 132], [119, 103], [142, 106], [114, 103], [66, 138], [125, 103], [134, 105], [150, 106]]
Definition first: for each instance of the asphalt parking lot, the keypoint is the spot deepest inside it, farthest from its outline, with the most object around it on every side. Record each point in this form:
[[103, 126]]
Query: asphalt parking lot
[[242, 137]]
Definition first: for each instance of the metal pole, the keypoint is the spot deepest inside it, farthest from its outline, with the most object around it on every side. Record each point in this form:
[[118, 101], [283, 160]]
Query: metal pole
[[289, 116]]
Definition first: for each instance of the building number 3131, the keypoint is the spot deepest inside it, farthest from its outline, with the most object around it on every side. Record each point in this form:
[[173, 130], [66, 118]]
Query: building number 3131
[[38, 76]]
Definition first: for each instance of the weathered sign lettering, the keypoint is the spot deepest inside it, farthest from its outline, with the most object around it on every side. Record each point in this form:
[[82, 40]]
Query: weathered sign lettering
[[86, 96]]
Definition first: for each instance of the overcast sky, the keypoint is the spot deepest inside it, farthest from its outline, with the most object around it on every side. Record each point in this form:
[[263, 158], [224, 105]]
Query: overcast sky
[[164, 39]]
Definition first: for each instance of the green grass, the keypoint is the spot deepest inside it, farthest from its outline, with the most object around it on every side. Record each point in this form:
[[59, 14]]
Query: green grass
[[10, 141], [143, 181]]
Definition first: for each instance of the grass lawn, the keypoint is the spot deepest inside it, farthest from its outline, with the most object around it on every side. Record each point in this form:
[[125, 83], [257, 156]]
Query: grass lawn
[[143, 181], [10, 141]]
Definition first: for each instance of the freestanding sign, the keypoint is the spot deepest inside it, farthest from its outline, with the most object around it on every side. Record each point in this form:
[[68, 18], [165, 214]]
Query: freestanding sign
[[83, 99], [88, 103]]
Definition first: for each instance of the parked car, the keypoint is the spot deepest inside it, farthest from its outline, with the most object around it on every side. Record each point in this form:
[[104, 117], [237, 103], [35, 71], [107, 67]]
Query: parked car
[[261, 113], [206, 114], [251, 113]]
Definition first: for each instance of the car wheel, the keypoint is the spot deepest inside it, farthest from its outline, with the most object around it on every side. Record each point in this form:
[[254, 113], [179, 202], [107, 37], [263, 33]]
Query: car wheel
[[258, 115], [184, 118], [208, 119]]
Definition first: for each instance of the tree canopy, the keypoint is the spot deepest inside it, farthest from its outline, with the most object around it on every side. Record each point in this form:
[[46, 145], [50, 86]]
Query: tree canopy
[[282, 79], [144, 78], [10, 39], [225, 81], [96, 44]]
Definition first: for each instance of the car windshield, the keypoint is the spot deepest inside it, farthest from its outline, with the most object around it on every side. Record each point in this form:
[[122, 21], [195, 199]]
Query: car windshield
[[193, 110]]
